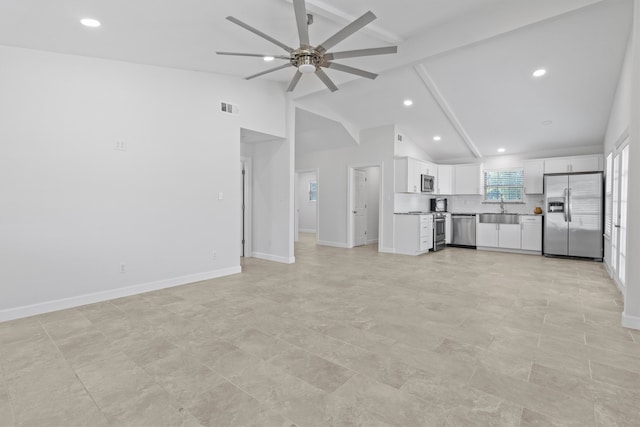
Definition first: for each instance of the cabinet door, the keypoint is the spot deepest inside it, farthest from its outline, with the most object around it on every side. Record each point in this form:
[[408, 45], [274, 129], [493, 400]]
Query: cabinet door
[[533, 176], [445, 179], [467, 179], [557, 165], [448, 229], [413, 176], [509, 236], [487, 235], [531, 230], [586, 164], [407, 176]]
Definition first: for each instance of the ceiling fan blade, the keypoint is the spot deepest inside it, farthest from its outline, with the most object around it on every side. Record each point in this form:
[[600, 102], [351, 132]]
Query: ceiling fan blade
[[347, 69], [346, 31], [361, 52], [294, 81], [326, 80], [268, 71], [257, 55], [301, 19], [260, 33]]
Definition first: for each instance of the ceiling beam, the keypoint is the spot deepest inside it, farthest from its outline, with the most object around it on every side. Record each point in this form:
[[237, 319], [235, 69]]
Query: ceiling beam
[[327, 11], [446, 109]]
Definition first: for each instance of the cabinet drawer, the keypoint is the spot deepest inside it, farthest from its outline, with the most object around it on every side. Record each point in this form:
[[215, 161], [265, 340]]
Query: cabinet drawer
[[530, 219], [425, 229], [425, 243]]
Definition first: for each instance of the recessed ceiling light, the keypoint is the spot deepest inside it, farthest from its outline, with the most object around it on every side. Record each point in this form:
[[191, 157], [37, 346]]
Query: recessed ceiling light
[[437, 138], [539, 73], [269, 58], [408, 102], [90, 22], [501, 150]]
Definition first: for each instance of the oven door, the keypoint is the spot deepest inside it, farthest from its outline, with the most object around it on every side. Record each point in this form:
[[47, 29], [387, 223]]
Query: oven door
[[439, 229]]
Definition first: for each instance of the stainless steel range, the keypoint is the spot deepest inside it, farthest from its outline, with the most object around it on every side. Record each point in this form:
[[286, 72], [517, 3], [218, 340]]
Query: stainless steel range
[[439, 226]]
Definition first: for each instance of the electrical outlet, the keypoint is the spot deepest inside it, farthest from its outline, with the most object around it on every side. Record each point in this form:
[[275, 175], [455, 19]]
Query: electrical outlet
[[215, 256], [122, 268], [120, 146]]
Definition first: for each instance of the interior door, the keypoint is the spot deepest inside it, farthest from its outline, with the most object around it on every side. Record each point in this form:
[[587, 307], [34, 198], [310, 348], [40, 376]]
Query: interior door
[[360, 208]]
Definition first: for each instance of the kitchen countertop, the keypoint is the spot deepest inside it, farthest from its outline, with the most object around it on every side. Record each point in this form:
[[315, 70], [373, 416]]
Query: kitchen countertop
[[414, 213]]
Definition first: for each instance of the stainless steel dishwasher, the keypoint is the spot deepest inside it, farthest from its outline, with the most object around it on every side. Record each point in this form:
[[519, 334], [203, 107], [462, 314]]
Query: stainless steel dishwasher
[[464, 230]]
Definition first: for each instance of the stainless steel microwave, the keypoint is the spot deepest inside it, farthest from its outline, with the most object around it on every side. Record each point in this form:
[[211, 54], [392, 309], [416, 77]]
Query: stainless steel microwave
[[428, 183]]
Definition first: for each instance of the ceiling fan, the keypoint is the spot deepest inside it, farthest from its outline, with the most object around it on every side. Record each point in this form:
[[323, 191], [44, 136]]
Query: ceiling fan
[[308, 59]]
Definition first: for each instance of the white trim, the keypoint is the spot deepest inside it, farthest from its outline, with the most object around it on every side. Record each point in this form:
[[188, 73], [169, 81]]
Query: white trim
[[386, 250], [333, 244], [372, 241], [77, 301], [248, 206], [274, 258], [508, 250], [306, 230], [632, 322]]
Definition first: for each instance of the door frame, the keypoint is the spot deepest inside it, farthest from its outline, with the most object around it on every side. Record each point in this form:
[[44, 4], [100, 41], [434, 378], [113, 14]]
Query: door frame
[[614, 268], [350, 190], [248, 206], [296, 206]]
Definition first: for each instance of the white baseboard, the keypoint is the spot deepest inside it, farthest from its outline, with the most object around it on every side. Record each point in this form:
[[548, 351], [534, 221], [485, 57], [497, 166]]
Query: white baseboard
[[275, 258], [372, 241], [632, 322], [333, 244], [386, 250], [307, 230], [77, 301]]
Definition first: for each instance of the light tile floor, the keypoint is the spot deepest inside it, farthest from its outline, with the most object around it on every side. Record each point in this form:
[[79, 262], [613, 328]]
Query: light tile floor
[[341, 338]]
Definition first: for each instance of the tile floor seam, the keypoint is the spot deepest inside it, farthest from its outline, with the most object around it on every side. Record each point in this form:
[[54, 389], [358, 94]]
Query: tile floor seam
[[6, 388], [75, 373]]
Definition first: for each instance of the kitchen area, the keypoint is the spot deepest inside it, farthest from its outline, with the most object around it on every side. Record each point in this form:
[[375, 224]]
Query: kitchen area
[[506, 209]]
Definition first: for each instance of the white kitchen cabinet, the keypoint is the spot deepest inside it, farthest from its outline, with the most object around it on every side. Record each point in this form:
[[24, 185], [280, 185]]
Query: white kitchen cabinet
[[467, 179], [573, 164], [503, 236], [448, 229], [509, 236], [445, 179], [531, 232], [487, 235], [413, 234], [407, 175], [533, 176]]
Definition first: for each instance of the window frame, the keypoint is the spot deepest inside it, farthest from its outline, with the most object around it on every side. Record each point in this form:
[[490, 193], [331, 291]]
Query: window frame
[[487, 188], [312, 190]]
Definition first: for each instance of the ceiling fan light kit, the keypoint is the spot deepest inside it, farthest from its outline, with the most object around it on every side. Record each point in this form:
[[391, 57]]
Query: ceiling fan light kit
[[310, 60]]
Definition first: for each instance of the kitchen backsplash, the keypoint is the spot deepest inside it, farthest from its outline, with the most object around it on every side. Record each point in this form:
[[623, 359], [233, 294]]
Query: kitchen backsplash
[[464, 204]]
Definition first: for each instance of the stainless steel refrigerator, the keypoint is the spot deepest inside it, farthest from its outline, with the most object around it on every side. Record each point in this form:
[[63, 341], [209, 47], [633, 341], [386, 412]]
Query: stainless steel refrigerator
[[573, 215]]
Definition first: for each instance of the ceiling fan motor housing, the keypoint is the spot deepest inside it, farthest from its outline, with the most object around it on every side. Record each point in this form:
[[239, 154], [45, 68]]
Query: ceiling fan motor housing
[[306, 60]]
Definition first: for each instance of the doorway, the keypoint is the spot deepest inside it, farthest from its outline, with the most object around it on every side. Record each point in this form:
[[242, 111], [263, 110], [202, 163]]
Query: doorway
[[245, 207], [364, 205], [306, 203]]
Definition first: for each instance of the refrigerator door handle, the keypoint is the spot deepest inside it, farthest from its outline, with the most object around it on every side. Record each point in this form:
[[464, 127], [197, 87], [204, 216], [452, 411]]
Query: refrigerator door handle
[[566, 204], [569, 196]]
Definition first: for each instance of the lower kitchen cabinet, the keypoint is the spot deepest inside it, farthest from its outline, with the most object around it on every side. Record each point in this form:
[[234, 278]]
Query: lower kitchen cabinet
[[531, 231], [413, 234], [509, 236], [487, 235]]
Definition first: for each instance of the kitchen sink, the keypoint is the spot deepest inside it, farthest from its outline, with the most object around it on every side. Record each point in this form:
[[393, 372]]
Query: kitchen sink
[[499, 218]]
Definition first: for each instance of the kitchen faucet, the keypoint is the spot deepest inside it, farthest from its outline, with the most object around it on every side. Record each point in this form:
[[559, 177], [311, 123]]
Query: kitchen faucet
[[502, 209]]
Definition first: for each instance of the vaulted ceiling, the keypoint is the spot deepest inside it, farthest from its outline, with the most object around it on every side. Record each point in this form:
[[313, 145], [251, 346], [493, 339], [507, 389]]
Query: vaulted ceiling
[[466, 64]]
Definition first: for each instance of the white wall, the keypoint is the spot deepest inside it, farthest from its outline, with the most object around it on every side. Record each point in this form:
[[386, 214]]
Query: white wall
[[631, 314], [376, 147], [74, 208], [307, 209]]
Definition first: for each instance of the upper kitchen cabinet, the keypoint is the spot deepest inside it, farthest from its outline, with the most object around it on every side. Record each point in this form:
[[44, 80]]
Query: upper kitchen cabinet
[[445, 179], [467, 179], [407, 175], [533, 176], [593, 163]]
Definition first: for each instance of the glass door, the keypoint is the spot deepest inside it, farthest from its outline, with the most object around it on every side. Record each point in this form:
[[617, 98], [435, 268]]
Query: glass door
[[619, 195]]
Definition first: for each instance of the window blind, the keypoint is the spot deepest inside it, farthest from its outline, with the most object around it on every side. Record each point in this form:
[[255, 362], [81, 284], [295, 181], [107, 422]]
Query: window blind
[[507, 183]]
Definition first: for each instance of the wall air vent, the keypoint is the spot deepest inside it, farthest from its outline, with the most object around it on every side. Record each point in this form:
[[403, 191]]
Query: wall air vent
[[399, 137], [228, 108]]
